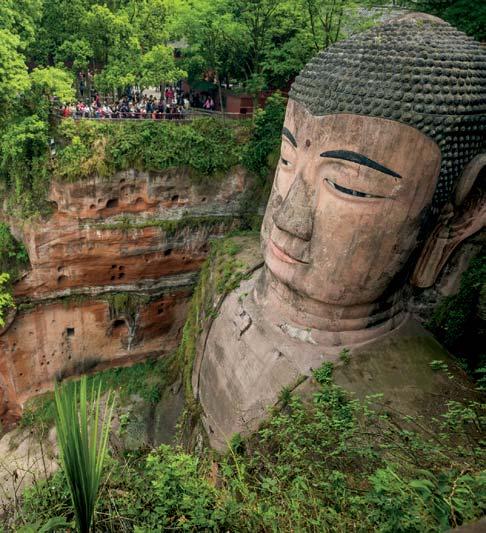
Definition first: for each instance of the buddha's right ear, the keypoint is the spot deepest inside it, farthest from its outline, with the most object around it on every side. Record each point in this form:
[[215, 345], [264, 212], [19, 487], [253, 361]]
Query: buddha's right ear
[[458, 220]]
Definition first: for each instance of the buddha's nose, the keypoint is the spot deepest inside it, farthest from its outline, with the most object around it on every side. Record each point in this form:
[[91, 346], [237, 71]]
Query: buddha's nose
[[295, 214]]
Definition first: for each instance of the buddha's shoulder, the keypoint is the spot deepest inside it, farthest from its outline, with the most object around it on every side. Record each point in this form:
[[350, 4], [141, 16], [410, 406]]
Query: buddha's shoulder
[[410, 368]]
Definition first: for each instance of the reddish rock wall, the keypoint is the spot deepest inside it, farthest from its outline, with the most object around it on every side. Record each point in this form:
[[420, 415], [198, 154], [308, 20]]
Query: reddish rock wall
[[107, 237], [78, 247], [61, 339]]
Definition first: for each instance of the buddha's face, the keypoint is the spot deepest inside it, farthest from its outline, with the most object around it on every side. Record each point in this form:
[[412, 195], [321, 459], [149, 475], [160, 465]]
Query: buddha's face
[[348, 200]]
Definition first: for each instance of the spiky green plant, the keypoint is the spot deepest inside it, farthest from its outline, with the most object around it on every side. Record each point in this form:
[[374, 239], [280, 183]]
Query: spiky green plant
[[83, 440]]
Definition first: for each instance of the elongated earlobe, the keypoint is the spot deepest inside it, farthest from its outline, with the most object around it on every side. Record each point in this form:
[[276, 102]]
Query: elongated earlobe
[[458, 221]]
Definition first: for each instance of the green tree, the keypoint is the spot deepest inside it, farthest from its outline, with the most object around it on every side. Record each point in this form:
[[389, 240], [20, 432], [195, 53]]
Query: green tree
[[258, 19], [14, 79], [50, 82], [159, 66], [215, 37], [21, 17], [466, 15], [78, 52]]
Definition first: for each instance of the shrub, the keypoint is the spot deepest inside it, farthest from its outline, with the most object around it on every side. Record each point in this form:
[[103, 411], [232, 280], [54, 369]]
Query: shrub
[[459, 320], [13, 254], [82, 437], [261, 153], [207, 147], [325, 463]]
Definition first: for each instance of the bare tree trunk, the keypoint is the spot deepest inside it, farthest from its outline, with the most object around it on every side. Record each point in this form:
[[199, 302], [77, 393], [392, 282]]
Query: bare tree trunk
[[220, 98]]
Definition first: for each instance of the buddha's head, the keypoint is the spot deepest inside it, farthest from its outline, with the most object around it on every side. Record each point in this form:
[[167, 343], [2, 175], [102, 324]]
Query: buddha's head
[[382, 148]]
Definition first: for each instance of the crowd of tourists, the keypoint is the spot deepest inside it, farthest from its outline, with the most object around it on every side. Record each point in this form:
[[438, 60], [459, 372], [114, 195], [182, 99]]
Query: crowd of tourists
[[172, 104]]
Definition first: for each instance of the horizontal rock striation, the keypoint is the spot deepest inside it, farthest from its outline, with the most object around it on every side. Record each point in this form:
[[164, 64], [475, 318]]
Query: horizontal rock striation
[[112, 270]]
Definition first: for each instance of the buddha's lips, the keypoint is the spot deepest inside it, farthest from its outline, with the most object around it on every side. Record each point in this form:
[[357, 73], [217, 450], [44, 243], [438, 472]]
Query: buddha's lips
[[284, 256]]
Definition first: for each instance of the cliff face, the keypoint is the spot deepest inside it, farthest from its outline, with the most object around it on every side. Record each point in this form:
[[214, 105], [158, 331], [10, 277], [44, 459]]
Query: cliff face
[[112, 271]]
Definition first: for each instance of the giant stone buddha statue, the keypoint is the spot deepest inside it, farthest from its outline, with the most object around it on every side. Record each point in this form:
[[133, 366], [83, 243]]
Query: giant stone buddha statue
[[380, 178]]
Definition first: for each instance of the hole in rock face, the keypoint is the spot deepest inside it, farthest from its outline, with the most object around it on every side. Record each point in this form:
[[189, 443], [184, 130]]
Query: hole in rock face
[[100, 200], [119, 327], [70, 332], [113, 266], [122, 180], [160, 309], [121, 275], [92, 206], [175, 198], [203, 199], [59, 268], [61, 280], [121, 268], [113, 202], [139, 201], [168, 252], [54, 206], [112, 278]]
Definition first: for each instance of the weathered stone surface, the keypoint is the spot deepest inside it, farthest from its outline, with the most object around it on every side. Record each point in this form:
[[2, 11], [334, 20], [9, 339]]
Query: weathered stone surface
[[127, 234], [24, 459], [58, 340], [85, 243], [148, 193], [239, 376], [372, 168]]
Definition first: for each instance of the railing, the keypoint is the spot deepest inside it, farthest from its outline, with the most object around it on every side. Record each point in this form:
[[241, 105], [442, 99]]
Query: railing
[[180, 117]]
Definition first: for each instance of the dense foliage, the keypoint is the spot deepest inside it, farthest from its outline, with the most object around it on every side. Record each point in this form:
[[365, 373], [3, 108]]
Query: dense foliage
[[13, 255], [6, 300], [327, 463], [207, 147], [467, 15], [260, 43], [261, 153], [459, 321]]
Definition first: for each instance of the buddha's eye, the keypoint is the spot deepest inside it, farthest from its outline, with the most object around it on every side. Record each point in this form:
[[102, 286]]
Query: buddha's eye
[[351, 192], [285, 162]]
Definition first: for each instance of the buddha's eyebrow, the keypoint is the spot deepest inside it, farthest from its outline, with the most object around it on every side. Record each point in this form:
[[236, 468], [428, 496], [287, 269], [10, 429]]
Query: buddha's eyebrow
[[360, 159], [289, 136]]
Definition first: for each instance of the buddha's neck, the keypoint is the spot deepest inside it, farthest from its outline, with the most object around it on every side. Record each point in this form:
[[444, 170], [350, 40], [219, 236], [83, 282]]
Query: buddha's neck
[[329, 325]]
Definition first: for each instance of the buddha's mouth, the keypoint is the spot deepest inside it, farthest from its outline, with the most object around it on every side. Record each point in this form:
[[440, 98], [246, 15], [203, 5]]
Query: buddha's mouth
[[279, 253]]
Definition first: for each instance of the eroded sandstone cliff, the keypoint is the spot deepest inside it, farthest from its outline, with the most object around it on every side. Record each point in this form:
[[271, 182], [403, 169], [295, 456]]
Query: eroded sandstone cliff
[[112, 270]]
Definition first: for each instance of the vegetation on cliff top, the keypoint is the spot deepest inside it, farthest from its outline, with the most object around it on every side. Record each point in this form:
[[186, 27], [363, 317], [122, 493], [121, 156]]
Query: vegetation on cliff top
[[208, 147]]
